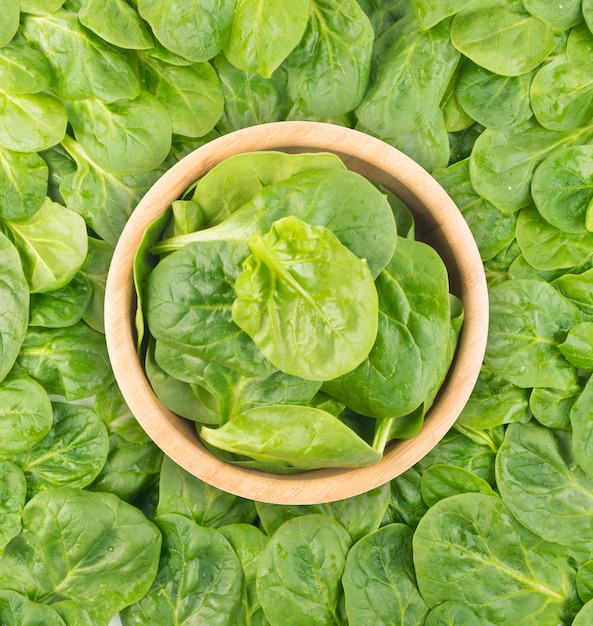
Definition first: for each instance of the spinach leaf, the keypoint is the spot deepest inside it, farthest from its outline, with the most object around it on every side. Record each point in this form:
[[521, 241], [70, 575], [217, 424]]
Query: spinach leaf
[[95, 270], [414, 311], [451, 613], [71, 362], [551, 407], [31, 122], [87, 550], [127, 137], [440, 481], [10, 22], [345, 202], [23, 68], [578, 346], [249, 99], [239, 178], [562, 189], [195, 30], [582, 431], [26, 415], [406, 505], [116, 22], [585, 615], [360, 515], [578, 288], [192, 94], [52, 244], [329, 67], [13, 493], [309, 304], [386, 108], [62, 307], [14, 294], [529, 320], [199, 577], [431, 12], [543, 489], [507, 573], [584, 581], [248, 542], [556, 17], [72, 454], [41, 7], [23, 183], [297, 436], [181, 492], [502, 37], [379, 580], [492, 100], [546, 247], [82, 64], [263, 34], [18, 609], [188, 301], [299, 573], [512, 154]]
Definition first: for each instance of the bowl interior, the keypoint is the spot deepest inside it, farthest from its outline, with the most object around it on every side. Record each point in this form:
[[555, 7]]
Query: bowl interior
[[438, 222]]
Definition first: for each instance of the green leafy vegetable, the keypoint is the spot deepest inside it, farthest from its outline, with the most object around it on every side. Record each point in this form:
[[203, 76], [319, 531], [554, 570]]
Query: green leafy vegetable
[[13, 492]]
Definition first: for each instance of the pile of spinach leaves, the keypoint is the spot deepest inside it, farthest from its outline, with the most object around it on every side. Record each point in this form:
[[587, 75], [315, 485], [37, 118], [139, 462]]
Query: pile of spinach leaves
[[97, 99], [294, 327]]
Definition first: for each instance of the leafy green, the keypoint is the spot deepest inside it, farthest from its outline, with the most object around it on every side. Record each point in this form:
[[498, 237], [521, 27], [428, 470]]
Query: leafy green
[[13, 492], [23, 183], [18, 609]]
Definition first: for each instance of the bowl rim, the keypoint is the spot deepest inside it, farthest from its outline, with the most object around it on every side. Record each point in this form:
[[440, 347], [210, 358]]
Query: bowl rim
[[400, 174]]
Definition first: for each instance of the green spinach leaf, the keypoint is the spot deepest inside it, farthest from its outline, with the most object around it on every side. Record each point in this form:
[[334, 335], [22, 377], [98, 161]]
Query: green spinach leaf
[[16, 608], [13, 494], [24, 178]]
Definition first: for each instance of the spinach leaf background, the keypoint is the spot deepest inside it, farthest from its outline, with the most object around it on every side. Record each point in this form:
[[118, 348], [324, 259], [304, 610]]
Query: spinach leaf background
[[97, 100]]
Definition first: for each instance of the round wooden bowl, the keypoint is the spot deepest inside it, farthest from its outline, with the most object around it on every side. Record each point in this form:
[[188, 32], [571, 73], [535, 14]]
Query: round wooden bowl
[[438, 222]]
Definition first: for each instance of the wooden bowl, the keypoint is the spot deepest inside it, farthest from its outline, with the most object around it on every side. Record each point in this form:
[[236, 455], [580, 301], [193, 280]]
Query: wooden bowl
[[438, 222]]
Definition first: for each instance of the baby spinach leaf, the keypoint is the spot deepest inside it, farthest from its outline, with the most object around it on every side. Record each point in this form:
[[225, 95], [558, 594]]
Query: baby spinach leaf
[[468, 548], [71, 362], [512, 154], [249, 99], [343, 201], [585, 615], [101, 570], [492, 229], [95, 270], [551, 407], [502, 37], [18, 609], [41, 7], [309, 304], [23, 68], [248, 542], [82, 64], [199, 577], [263, 34], [116, 22], [72, 454], [493, 100], [329, 67], [386, 108], [181, 492], [31, 122], [23, 183], [62, 307], [14, 294], [440, 481], [13, 493], [562, 189], [556, 17], [495, 401], [431, 12], [360, 515], [584, 581], [543, 489], [114, 197], [52, 244], [239, 178], [192, 94], [581, 423], [578, 346], [10, 21], [414, 311], [528, 321], [406, 505], [379, 580], [26, 415], [299, 574], [196, 30], [188, 300], [578, 288], [546, 247], [298, 436], [127, 137]]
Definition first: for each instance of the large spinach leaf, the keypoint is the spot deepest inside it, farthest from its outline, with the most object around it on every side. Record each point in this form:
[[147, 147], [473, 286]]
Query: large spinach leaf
[[23, 183]]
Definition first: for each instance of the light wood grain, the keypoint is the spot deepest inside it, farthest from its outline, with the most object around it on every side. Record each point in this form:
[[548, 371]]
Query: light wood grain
[[439, 222]]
